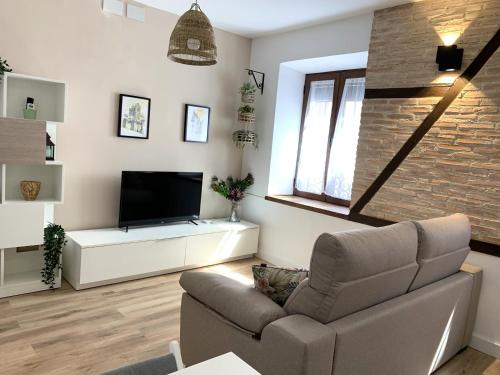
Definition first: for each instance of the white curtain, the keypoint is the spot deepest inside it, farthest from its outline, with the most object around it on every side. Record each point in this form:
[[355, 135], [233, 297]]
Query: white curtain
[[314, 145], [345, 140]]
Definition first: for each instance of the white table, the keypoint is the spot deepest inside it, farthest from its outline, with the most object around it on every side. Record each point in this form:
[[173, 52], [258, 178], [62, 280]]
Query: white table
[[226, 364]]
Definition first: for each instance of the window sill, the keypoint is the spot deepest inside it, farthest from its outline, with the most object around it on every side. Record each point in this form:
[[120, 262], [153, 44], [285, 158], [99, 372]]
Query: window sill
[[324, 208]]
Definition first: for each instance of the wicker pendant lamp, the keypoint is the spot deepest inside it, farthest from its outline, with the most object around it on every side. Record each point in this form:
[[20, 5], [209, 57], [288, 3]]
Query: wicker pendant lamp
[[192, 42]]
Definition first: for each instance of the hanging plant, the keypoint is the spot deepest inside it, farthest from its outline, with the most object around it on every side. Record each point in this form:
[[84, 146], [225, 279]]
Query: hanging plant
[[247, 91], [54, 238], [246, 113], [241, 138]]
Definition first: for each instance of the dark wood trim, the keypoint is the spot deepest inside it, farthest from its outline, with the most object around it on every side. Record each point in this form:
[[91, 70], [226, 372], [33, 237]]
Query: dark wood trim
[[368, 220], [485, 247], [406, 92], [321, 198], [475, 245], [328, 209], [343, 213], [429, 121]]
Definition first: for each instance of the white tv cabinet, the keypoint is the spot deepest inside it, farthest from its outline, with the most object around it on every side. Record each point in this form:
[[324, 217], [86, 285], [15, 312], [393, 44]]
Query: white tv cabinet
[[105, 256]]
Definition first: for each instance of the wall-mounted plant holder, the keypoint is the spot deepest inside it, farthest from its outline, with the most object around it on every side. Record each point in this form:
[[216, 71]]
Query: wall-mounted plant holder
[[246, 117], [29, 114], [260, 85]]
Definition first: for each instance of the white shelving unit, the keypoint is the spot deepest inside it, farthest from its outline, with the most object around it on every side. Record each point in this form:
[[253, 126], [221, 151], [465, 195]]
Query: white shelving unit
[[51, 175], [49, 95], [20, 272], [22, 222]]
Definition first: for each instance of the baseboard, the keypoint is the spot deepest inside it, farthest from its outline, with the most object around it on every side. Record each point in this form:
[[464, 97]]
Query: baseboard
[[485, 345]]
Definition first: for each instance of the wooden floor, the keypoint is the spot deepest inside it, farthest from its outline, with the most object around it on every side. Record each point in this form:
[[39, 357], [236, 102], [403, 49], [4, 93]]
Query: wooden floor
[[91, 331]]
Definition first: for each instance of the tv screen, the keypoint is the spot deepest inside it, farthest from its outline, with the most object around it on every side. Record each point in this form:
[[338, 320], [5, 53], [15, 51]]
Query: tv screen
[[159, 197]]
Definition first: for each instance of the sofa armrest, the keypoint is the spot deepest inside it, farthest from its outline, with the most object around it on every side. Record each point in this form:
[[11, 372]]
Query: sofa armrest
[[298, 345], [240, 304], [476, 273]]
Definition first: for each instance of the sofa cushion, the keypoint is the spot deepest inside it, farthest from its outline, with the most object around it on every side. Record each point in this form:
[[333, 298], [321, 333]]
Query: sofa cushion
[[242, 305], [354, 270], [278, 283], [443, 245]]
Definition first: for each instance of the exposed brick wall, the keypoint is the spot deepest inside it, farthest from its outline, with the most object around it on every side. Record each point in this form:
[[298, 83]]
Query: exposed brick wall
[[456, 167]]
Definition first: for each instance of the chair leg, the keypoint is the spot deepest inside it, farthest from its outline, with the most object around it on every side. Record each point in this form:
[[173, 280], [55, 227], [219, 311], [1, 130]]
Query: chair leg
[[175, 349]]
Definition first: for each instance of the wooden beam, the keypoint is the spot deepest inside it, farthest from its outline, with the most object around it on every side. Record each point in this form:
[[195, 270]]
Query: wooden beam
[[429, 121], [406, 92]]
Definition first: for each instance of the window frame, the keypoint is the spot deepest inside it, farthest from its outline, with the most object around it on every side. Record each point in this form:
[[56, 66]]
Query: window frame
[[339, 77]]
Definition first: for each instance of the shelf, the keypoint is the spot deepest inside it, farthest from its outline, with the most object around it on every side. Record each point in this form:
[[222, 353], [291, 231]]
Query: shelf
[[38, 200], [50, 174], [21, 272], [49, 95], [24, 282], [30, 277]]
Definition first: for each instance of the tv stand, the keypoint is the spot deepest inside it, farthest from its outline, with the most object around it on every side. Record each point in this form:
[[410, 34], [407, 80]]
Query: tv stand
[[192, 221], [105, 256]]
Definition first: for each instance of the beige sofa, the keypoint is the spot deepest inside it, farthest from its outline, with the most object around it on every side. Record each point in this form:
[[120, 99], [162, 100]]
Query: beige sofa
[[389, 300]]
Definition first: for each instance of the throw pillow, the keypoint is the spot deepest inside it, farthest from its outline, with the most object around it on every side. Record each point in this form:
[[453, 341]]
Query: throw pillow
[[276, 282]]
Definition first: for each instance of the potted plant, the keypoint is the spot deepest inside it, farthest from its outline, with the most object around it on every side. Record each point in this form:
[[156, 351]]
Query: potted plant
[[247, 91], [54, 238], [4, 67], [246, 113], [234, 191]]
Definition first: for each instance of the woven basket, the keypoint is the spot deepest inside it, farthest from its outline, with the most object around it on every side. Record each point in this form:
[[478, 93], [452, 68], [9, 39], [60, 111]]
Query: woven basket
[[192, 42], [246, 117], [30, 189], [245, 137], [248, 98]]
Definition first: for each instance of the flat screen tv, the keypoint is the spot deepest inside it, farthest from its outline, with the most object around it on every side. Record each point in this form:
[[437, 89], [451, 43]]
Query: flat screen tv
[[149, 198]]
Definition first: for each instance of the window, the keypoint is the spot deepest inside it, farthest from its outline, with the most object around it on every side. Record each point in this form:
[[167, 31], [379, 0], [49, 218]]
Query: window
[[331, 116]]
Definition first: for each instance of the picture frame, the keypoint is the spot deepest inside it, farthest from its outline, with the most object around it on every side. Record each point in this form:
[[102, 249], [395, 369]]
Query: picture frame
[[134, 116], [196, 123]]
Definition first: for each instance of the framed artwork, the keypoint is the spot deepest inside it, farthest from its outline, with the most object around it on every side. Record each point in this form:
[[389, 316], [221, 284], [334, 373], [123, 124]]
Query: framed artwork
[[133, 116], [196, 123]]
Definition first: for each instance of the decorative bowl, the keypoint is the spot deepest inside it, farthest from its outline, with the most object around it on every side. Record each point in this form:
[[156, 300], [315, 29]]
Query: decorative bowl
[[30, 189]]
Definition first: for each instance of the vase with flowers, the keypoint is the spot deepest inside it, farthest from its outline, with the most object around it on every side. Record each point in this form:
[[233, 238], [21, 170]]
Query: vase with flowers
[[233, 190]]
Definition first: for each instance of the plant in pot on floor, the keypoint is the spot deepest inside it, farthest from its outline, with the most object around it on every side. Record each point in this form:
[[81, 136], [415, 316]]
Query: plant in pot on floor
[[54, 238], [234, 191]]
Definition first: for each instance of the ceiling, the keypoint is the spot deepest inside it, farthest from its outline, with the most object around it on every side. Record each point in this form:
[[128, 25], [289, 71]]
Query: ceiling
[[357, 60], [260, 17]]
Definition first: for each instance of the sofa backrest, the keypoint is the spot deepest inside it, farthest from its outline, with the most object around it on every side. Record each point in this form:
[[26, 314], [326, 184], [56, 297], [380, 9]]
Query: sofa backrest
[[351, 271], [443, 245]]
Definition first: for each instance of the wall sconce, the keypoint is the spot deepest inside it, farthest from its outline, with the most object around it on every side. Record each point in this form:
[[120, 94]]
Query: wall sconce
[[449, 58]]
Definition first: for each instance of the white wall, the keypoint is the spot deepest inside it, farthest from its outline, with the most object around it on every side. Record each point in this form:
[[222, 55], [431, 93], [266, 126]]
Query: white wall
[[287, 233], [346, 36], [288, 115], [101, 56], [486, 335]]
